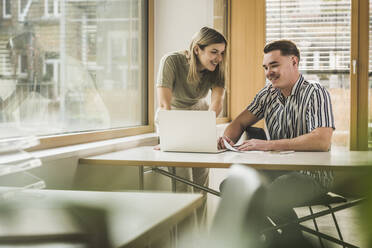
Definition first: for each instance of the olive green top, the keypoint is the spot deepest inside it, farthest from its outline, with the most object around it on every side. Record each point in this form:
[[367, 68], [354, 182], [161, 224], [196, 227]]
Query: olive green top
[[173, 71]]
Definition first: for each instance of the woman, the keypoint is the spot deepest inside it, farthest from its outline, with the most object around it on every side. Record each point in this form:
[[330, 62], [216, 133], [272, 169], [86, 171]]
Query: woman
[[184, 80]]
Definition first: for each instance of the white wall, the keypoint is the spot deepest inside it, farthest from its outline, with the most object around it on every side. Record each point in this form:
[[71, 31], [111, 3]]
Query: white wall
[[176, 21]]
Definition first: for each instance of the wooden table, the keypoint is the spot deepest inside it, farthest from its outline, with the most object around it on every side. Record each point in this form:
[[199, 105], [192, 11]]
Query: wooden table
[[134, 219], [337, 159]]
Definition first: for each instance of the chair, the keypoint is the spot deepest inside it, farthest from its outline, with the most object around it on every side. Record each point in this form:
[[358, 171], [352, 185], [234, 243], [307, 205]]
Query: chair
[[240, 212], [325, 200]]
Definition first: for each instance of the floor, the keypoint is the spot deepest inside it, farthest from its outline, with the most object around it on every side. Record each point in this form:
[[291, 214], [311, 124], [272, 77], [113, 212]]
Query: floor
[[349, 220]]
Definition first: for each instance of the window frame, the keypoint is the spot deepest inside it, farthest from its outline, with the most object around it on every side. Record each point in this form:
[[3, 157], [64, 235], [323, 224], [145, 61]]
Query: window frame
[[56, 7], [5, 14]]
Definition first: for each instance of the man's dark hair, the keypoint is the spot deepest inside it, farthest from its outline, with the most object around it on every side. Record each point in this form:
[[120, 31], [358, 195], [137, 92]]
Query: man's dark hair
[[286, 48]]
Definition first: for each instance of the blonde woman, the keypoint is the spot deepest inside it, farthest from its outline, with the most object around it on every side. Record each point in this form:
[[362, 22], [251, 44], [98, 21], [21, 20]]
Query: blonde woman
[[184, 80]]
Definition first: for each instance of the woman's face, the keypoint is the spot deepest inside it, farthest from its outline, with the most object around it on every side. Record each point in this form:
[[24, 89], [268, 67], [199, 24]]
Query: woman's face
[[210, 56]]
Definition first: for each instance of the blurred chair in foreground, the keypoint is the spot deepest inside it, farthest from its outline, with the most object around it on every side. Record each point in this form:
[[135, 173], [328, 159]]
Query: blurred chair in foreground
[[238, 220]]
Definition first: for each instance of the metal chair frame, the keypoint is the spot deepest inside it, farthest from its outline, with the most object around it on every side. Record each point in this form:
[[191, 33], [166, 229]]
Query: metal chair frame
[[312, 216]]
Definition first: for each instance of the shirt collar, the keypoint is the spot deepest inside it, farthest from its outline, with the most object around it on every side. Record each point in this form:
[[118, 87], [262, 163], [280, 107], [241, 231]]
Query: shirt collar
[[297, 86]]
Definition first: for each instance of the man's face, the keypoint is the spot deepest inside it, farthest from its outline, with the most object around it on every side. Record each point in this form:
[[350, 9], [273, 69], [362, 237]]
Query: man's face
[[280, 70]]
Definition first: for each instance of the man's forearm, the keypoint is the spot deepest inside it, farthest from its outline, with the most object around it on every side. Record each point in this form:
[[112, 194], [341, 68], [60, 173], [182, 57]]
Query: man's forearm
[[233, 131], [306, 142]]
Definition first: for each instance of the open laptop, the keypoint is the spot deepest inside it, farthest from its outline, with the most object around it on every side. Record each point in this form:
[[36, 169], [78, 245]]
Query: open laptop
[[188, 131]]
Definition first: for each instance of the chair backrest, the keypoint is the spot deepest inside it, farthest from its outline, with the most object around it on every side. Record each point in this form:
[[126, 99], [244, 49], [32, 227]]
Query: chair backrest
[[238, 219]]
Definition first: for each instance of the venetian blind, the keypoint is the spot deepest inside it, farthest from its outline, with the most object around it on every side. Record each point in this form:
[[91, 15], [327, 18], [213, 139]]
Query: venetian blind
[[320, 28]]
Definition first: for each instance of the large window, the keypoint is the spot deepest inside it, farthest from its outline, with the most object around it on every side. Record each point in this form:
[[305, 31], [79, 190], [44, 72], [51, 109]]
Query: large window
[[85, 69], [321, 29]]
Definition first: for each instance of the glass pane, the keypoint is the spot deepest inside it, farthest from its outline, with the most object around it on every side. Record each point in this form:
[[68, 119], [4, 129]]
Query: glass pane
[[321, 30], [370, 79], [85, 69]]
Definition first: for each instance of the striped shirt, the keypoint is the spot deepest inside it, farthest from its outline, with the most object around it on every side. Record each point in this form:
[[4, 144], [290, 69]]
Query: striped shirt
[[307, 108]]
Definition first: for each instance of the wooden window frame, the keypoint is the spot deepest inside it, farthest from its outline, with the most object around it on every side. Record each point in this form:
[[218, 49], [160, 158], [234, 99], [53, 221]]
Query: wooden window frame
[[359, 79]]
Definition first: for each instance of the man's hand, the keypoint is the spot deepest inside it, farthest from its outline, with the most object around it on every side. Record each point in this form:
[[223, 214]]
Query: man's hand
[[255, 145], [220, 143]]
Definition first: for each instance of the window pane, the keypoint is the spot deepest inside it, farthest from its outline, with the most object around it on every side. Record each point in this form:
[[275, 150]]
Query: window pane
[[8, 10], [83, 70], [321, 30]]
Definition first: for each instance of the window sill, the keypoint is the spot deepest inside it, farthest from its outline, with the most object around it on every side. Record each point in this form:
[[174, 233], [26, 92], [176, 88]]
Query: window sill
[[87, 149]]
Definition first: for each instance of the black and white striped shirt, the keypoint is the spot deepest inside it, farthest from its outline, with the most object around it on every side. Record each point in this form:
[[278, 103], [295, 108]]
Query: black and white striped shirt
[[307, 108]]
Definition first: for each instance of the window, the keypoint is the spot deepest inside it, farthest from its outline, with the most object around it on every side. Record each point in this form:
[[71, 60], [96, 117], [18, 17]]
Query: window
[[85, 71], [321, 30], [52, 8], [7, 11]]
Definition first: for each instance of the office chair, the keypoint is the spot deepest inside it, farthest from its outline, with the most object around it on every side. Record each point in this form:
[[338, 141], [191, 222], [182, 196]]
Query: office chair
[[240, 212]]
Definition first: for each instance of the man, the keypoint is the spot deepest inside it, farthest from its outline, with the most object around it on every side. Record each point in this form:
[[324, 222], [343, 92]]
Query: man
[[298, 116]]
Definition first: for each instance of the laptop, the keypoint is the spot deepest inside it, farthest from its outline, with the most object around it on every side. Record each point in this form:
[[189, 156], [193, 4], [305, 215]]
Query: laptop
[[188, 131]]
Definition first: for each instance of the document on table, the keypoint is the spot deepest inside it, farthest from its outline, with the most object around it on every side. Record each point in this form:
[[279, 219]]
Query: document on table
[[232, 148]]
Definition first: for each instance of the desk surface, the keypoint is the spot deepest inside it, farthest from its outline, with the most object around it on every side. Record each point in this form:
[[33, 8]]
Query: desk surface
[[133, 218], [337, 159]]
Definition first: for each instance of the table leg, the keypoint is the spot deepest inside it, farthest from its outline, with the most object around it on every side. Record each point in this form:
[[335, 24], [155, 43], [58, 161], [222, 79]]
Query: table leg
[[188, 182], [174, 237], [141, 177], [173, 171]]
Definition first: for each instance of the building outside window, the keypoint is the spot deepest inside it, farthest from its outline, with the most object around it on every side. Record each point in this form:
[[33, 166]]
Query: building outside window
[[84, 71]]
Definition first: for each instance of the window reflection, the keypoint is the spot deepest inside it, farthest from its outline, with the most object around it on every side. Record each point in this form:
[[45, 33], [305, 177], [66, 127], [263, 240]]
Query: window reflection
[[71, 66]]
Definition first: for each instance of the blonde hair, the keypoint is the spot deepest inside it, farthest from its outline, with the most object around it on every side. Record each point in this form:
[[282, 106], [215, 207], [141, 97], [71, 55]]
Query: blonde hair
[[205, 37]]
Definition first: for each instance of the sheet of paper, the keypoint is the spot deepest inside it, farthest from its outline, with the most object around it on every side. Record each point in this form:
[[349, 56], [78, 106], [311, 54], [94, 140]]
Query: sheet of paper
[[231, 148]]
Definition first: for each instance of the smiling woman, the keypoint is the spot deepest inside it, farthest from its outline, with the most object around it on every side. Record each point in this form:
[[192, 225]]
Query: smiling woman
[[184, 80], [185, 77]]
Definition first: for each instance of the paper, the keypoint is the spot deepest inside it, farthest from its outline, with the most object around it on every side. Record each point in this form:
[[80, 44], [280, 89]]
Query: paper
[[231, 148]]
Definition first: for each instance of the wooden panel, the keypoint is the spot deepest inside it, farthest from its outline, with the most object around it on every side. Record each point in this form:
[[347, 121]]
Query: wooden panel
[[359, 79], [247, 43]]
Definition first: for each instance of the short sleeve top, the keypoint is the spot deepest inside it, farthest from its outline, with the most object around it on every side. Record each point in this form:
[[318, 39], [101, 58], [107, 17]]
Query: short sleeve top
[[173, 70]]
